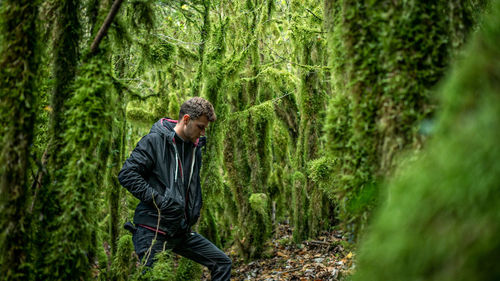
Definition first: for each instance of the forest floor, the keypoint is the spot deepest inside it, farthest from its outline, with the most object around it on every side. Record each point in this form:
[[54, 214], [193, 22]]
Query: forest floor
[[328, 257]]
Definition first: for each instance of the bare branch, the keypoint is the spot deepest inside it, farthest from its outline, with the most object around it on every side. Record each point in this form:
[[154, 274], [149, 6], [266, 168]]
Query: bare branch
[[314, 14], [105, 26]]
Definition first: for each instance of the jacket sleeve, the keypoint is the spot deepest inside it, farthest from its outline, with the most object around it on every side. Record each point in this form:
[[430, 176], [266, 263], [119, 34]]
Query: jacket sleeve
[[136, 167]]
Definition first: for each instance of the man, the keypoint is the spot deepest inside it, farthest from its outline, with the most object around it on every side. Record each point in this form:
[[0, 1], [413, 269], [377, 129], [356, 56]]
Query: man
[[163, 171]]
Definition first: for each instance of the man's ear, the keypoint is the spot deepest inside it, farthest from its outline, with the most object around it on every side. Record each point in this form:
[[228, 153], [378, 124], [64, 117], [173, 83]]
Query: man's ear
[[186, 118]]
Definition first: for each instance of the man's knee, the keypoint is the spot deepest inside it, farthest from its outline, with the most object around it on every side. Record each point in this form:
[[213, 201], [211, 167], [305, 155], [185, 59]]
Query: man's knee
[[225, 263]]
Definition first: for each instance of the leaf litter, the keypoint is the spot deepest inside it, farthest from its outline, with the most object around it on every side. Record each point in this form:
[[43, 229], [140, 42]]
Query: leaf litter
[[328, 257]]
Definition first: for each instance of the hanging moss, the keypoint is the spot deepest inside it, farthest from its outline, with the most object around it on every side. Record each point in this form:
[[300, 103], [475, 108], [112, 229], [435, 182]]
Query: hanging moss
[[441, 220], [214, 221], [309, 50], [259, 203], [204, 38], [18, 64], [248, 162], [279, 189]]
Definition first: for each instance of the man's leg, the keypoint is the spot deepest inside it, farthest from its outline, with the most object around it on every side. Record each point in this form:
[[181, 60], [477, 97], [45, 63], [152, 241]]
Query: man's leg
[[143, 239], [200, 250]]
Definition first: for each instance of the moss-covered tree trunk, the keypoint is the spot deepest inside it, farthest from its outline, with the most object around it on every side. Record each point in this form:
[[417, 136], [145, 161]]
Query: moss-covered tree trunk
[[205, 36], [312, 95], [212, 80], [247, 155], [79, 163], [385, 58], [247, 133], [441, 219], [89, 115], [65, 58], [18, 65]]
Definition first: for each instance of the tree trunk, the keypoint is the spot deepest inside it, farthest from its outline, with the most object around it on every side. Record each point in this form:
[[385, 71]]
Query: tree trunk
[[18, 63]]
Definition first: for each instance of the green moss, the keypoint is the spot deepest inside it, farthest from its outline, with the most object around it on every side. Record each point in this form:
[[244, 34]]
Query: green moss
[[140, 116], [247, 157], [163, 268], [259, 203], [124, 261], [320, 169], [299, 197], [441, 220], [188, 270], [382, 81], [89, 116]]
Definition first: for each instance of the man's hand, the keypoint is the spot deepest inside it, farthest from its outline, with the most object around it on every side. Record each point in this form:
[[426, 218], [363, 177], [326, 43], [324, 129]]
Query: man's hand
[[168, 206]]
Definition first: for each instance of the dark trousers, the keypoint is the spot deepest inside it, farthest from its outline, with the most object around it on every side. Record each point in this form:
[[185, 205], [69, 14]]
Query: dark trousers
[[190, 245]]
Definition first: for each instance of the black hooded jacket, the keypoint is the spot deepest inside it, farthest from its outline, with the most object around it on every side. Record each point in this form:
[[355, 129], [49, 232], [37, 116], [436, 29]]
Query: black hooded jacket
[[154, 174]]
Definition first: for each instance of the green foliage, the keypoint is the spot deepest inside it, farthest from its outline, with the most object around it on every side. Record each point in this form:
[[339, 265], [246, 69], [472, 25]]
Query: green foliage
[[141, 14], [441, 220], [124, 261], [320, 169], [188, 270], [163, 268]]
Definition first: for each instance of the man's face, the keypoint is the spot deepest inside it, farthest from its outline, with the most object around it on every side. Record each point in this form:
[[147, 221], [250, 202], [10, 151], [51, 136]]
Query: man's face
[[195, 128]]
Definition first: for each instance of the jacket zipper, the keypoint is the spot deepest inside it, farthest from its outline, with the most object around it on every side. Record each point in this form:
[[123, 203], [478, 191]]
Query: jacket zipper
[[189, 181], [178, 165]]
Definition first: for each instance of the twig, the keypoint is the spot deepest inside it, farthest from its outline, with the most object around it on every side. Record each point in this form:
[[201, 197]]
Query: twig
[[318, 242], [314, 14], [132, 92], [291, 270], [105, 26], [148, 252], [310, 67], [278, 98], [179, 41]]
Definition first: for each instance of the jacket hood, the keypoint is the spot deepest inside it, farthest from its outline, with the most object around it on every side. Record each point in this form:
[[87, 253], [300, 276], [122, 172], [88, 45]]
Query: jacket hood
[[165, 128]]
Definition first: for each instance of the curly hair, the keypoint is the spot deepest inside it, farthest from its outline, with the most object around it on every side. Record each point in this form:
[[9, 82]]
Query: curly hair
[[196, 107]]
